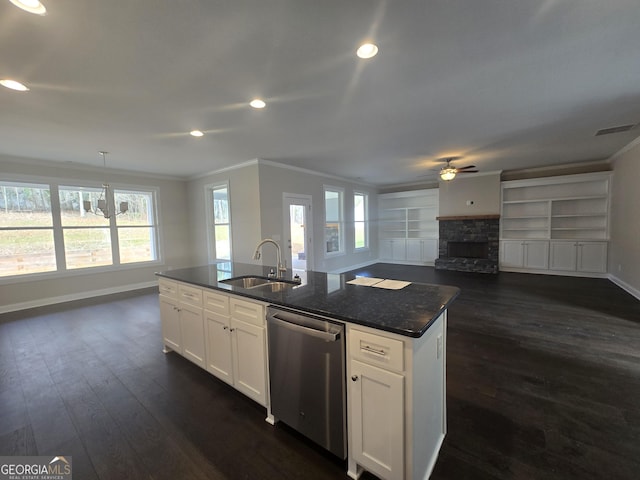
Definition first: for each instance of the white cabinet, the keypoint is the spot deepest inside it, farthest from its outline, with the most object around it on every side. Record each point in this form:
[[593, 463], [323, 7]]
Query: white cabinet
[[569, 212], [588, 257], [170, 318], [182, 320], [422, 250], [377, 420], [531, 254], [191, 323], [396, 400], [219, 332], [394, 249], [236, 345], [405, 220]]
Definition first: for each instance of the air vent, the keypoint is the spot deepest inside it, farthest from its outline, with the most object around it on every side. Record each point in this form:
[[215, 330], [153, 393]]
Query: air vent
[[620, 129]]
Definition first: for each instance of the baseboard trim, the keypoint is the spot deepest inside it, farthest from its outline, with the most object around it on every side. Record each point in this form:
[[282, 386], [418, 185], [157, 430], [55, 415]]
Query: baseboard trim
[[43, 302], [354, 267], [625, 286]]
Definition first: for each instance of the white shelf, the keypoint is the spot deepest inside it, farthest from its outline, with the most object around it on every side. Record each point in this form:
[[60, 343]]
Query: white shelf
[[563, 207], [407, 216]]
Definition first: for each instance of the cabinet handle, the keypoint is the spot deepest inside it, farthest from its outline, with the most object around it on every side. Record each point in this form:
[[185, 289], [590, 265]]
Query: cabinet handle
[[370, 349], [232, 329], [354, 378], [225, 327]]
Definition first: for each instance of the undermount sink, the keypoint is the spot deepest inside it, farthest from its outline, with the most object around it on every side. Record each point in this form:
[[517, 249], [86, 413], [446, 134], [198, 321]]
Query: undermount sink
[[254, 282]]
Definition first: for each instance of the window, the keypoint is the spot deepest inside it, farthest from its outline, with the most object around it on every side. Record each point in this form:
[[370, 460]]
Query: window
[[333, 231], [87, 237], [221, 222], [137, 230], [45, 228], [26, 229], [361, 220]]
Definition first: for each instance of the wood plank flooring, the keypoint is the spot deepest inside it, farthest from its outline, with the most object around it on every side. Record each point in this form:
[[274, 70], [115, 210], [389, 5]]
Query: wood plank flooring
[[543, 383]]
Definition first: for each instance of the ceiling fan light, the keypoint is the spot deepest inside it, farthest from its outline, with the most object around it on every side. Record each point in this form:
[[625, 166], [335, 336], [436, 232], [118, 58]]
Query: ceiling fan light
[[367, 50], [448, 174], [31, 6], [14, 85]]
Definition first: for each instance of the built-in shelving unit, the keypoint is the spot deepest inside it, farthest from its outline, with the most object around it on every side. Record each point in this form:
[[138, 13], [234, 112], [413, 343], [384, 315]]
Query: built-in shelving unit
[[408, 227], [564, 208]]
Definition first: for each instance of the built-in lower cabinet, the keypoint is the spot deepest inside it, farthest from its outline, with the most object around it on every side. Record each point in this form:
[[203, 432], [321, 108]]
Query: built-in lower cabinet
[[182, 320], [396, 400], [236, 347], [524, 254], [565, 257], [221, 333], [578, 256]]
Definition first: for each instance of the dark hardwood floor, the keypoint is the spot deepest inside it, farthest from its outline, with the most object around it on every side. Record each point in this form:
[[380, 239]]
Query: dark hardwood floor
[[543, 383]]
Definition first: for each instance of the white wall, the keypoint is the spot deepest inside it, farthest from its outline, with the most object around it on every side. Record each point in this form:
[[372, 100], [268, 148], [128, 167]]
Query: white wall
[[244, 192], [624, 247], [276, 180], [483, 190], [172, 204]]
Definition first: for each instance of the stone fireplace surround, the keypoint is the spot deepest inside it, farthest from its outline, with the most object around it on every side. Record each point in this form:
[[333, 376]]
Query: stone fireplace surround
[[481, 232]]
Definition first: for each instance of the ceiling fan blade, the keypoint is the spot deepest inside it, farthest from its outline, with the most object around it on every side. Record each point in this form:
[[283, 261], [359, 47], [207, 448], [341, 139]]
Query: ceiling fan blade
[[467, 167], [467, 171]]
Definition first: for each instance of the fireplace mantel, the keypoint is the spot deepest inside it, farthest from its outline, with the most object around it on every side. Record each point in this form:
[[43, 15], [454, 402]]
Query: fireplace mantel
[[470, 217]]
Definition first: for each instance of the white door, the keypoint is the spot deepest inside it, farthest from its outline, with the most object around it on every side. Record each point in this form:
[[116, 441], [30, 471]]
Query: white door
[[297, 246]]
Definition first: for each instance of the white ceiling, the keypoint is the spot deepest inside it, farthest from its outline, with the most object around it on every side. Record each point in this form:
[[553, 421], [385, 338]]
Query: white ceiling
[[506, 84]]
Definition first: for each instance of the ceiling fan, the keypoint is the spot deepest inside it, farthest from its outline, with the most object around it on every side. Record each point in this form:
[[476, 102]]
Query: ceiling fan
[[449, 172]]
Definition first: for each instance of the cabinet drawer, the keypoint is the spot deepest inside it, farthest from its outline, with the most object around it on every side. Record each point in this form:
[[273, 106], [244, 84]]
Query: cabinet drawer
[[377, 350], [247, 311], [191, 295], [216, 302], [168, 288]]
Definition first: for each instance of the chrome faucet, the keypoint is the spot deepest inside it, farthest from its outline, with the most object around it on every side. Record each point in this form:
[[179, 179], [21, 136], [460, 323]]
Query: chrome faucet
[[256, 256]]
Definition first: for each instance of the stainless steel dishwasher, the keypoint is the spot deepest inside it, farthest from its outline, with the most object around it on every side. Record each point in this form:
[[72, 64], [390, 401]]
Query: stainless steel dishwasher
[[307, 376]]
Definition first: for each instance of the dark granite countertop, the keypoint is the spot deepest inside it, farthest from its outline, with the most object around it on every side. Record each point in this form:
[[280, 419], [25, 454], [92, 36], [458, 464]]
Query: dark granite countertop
[[409, 311]]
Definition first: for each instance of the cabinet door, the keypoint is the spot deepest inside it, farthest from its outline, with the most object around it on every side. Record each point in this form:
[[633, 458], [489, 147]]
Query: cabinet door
[[219, 359], [536, 254], [192, 330], [512, 253], [562, 256], [377, 420], [398, 249], [386, 252], [429, 250], [592, 257], [414, 250], [170, 318], [249, 360]]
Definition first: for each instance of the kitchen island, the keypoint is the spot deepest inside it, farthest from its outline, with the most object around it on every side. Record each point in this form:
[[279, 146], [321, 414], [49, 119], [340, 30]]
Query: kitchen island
[[395, 352]]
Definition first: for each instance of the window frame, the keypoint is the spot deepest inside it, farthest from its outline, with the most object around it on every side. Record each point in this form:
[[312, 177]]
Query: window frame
[[365, 222], [55, 184], [211, 223], [339, 222]]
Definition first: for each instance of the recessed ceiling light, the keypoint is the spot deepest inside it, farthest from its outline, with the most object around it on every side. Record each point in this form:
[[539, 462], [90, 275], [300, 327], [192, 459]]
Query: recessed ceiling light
[[367, 50], [31, 6], [257, 103], [13, 85], [196, 133]]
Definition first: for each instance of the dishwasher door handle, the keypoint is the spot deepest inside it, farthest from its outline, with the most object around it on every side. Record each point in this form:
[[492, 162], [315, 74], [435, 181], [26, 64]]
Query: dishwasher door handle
[[322, 334]]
